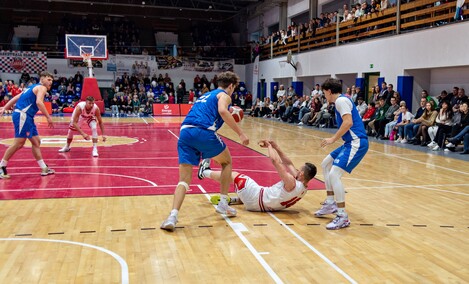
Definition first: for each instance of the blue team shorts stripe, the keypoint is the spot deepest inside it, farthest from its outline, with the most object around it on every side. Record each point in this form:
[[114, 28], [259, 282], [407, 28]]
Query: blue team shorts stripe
[[28, 130], [196, 143], [350, 154]]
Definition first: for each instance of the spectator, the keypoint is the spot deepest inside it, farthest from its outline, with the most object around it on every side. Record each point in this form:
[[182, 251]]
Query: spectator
[[426, 120], [443, 126], [361, 106], [411, 128]]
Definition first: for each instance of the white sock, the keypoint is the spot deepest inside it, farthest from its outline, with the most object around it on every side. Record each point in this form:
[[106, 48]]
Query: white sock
[[207, 173], [95, 146], [3, 163], [330, 199], [223, 199], [341, 211], [174, 213], [41, 164]]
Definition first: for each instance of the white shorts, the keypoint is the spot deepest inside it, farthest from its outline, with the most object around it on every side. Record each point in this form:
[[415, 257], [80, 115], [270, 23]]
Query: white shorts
[[248, 191]]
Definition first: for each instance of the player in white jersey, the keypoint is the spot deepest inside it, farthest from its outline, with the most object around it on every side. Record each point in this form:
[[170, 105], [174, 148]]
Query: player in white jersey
[[283, 194], [86, 112]]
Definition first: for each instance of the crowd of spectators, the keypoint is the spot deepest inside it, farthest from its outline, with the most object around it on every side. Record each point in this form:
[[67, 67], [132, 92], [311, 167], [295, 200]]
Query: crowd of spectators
[[440, 123]]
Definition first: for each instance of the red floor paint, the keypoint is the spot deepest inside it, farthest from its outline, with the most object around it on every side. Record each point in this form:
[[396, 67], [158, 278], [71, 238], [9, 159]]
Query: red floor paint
[[148, 167]]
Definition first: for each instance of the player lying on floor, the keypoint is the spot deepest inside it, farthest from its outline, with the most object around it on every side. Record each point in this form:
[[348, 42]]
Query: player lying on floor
[[283, 194]]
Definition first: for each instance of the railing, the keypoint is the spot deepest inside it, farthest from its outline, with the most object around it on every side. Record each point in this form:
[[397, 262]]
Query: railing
[[413, 16]]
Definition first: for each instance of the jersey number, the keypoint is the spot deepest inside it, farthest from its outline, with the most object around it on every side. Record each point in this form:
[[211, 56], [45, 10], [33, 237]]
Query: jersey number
[[290, 202]]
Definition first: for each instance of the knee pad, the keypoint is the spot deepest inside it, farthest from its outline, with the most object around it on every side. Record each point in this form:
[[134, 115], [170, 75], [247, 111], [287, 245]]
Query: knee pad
[[183, 183]]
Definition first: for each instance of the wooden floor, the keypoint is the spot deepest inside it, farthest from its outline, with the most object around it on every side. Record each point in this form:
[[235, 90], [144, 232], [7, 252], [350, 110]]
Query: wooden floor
[[409, 213]]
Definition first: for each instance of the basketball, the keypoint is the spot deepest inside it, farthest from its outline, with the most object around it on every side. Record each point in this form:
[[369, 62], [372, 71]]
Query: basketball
[[237, 113]]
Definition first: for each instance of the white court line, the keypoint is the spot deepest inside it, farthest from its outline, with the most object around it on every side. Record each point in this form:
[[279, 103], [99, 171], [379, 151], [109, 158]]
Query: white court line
[[386, 154], [113, 159], [122, 263], [173, 134], [95, 173], [144, 119], [317, 252], [256, 254], [154, 118]]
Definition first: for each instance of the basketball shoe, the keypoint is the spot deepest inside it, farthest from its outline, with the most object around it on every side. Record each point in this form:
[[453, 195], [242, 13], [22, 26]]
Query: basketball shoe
[[3, 173], [95, 153], [64, 149], [339, 222], [204, 165], [47, 171], [326, 209], [215, 199], [169, 224], [223, 208]]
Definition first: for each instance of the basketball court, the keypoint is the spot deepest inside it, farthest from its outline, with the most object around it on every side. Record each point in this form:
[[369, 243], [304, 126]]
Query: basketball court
[[97, 219]]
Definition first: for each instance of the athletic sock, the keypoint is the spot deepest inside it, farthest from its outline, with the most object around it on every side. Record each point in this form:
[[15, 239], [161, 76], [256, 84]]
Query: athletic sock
[[3, 163], [207, 173], [330, 199], [174, 213], [341, 211], [41, 164], [223, 198]]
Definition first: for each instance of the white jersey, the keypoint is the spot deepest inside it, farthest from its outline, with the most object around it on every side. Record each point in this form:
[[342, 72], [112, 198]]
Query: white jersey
[[85, 116], [273, 198]]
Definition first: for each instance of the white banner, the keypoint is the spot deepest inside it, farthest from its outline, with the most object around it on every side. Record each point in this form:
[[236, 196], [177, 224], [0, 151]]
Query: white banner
[[255, 79]]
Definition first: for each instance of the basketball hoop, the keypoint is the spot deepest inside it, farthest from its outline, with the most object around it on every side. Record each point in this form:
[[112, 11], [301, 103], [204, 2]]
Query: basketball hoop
[[87, 58]]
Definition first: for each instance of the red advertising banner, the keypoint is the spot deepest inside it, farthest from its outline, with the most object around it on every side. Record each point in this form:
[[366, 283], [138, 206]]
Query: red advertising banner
[[166, 109], [185, 108], [48, 107]]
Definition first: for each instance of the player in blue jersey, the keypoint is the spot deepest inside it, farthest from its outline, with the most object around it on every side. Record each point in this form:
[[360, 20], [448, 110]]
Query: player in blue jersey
[[199, 140], [27, 105], [346, 157]]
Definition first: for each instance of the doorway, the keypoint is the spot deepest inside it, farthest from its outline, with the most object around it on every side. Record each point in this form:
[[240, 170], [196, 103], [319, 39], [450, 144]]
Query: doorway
[[371, 80]]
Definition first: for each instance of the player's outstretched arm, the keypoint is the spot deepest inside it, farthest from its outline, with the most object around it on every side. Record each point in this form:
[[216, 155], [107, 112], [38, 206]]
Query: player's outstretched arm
[[287, 178], [223, 102], [10, 103]]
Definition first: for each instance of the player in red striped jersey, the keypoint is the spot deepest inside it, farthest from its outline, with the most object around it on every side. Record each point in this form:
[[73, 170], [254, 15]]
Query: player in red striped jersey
[[283, 194]]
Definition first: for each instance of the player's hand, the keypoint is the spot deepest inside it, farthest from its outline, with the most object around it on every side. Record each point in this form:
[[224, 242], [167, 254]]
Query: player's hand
[[274, 145], [244, 139], [327, 141], [50, 123], [263, 143], [104, 138], [86, 136]]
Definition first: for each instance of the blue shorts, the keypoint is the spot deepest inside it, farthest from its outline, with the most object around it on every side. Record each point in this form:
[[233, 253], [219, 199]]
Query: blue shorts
[[350, 154], [196, 143], [24, 125]]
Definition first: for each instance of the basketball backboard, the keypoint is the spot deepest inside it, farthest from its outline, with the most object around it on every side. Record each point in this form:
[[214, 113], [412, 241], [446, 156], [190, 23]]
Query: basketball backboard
[[76, 45]]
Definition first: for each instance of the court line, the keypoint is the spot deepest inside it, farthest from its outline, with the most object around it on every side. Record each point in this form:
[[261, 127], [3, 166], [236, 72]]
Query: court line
[[386, 154], [173, 134], [113, 159], [154, 118], [120, 260], [246, 242], [97, 173], [316, 251], [144, 119]]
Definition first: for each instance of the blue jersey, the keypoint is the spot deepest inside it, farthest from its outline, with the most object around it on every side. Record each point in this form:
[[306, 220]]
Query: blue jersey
[[344, 105], [27, 102], [204, 113]]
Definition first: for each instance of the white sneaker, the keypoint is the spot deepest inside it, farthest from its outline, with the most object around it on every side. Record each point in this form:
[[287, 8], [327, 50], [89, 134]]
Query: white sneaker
[[326, 209], [223, 208], [169, 224], [436, 148], [399, 140], [47, 171], [300, 123], [95, 153], [404, 141], [450, 145], [431, 144], [64, 149], [339, 222]]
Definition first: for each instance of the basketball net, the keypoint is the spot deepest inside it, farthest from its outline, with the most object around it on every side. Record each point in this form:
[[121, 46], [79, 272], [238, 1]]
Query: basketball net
[[87, 58]]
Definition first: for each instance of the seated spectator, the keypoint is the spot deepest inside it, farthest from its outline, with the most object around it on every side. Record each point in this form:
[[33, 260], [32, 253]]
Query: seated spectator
[[380, 112], [404, 119], [443, 124], [191, 96], [304, 108], [426, 120], [114, 107], [362, 107], [3, 102], [55, 106], [388, 117], [316, 106], [397, 118], [460, 129], [369, 115], [256, 108], [410, 129]]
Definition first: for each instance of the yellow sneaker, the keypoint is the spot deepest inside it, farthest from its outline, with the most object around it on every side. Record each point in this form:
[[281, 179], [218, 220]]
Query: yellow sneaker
[[215, 199]]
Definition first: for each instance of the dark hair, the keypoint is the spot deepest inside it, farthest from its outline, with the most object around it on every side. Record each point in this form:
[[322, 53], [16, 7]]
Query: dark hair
[[373, 104], [334, 85], [90, 98], [309, 171], [227, 78], [46, 74]]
